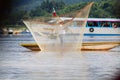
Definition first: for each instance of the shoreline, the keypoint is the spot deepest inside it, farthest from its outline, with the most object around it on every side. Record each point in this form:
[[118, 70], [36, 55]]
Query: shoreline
[[13, 29]]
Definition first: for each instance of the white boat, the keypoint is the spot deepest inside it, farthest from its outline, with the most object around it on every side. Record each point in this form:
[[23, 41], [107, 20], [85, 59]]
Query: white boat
[[100, 26]]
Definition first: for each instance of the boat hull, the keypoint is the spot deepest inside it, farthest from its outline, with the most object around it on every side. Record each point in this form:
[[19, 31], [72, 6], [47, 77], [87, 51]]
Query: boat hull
[[88, 46]]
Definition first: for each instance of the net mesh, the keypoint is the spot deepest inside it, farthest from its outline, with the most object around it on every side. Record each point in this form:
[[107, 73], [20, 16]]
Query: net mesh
[[63, 34]]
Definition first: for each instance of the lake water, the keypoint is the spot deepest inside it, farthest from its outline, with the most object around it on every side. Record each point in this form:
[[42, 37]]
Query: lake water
[[18, 63]]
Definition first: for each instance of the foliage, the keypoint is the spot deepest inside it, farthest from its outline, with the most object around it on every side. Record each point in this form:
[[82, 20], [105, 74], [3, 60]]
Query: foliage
[[100, 9], [46, 8], [116, 8]]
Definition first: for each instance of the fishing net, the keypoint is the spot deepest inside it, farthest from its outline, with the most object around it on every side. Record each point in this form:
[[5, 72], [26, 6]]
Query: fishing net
[[63, 34]]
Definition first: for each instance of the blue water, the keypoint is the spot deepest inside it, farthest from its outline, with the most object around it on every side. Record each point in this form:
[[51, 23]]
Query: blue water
[[19, 63]]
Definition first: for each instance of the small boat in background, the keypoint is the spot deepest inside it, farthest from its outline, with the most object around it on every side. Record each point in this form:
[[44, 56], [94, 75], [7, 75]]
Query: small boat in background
[[10, 31]]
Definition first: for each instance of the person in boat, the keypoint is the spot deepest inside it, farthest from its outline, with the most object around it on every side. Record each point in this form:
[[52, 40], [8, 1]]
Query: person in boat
[[114, 25], [105, 24]]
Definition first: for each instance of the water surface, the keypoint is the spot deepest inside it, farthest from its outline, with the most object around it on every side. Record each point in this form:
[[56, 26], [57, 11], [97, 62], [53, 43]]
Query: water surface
[[18, 63]]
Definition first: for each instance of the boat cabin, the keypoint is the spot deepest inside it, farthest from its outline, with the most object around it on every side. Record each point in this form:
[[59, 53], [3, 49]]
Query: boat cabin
[[96, 22], [110, 23]]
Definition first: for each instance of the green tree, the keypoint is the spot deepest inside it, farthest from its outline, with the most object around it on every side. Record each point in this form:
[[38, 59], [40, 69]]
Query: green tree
[[116, 8], [37, 12]]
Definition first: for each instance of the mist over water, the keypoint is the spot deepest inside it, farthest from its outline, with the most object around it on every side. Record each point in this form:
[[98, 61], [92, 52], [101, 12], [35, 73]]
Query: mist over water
[[18, 63]]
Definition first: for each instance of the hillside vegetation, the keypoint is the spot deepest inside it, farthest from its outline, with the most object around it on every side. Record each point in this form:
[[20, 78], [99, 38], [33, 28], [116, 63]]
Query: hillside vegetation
[[100, 9]]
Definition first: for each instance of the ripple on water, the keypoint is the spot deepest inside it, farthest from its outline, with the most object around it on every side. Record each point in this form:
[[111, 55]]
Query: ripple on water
[[18, 63]]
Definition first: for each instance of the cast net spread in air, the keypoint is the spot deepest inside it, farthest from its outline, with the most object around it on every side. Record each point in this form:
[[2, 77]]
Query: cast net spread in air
[[64, 34]]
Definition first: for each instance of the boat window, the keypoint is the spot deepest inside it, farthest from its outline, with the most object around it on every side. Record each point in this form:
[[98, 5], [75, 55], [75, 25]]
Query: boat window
[[92, 24], [116, 24], [105, 24]]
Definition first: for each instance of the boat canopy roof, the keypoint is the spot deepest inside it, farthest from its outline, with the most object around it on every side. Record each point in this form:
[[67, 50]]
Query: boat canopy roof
[[92, 19]]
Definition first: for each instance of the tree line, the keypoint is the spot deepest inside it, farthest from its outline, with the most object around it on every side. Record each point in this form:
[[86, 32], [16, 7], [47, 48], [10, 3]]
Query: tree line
[[102, 9]]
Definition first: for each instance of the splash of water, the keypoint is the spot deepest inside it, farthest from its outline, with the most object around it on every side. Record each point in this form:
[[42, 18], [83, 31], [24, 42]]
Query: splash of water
[[60, 37]]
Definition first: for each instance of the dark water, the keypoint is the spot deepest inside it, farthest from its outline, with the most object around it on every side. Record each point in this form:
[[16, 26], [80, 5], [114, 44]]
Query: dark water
[[18, 63]]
